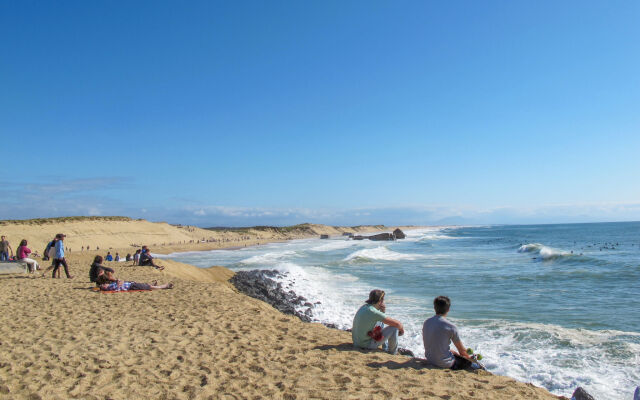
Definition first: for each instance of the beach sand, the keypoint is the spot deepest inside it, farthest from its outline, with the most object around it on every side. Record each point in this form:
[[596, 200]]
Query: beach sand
[[200, 340]]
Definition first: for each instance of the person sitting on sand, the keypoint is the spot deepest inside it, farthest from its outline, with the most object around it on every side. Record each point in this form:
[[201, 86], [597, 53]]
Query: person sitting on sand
[[22, 254], [109, 256], [98, 269], [123, 286], [117, 257], [128, 257], [437, 333], [147, 259], [368, 330]]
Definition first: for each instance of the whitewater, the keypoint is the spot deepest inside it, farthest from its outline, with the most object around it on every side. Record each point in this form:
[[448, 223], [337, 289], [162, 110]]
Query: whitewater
[[554, 305]]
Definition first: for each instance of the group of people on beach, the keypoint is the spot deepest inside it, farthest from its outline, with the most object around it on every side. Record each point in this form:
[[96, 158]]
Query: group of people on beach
[[105, 280], [369, 332]]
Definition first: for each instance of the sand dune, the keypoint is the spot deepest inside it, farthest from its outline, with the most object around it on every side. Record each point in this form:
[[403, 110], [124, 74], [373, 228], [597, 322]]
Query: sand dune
[[120, 233]]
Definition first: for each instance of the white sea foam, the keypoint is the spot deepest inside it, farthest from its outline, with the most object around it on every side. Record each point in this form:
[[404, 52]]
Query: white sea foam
[[380, 253], [338, 295], [269, 258]]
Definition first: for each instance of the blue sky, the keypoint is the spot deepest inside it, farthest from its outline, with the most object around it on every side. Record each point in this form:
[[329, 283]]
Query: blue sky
[[241, 113]]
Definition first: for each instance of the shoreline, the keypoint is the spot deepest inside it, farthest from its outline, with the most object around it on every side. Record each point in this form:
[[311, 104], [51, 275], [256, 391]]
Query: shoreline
[[202, 339]]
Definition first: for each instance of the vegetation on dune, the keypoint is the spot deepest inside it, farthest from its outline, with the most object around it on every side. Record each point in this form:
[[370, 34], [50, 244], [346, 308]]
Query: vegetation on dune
[[40, 221], [300, 228]]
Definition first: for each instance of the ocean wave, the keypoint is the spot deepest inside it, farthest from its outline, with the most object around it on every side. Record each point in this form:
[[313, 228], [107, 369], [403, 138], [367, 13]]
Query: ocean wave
[[380, 253], [546, 253], [269, 258], [334, 245]]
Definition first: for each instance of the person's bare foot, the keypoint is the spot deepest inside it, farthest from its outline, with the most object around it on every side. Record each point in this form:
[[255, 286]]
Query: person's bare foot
[[70, 277]]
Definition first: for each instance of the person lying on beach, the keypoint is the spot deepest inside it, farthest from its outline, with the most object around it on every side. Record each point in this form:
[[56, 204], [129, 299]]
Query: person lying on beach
[[98, 269], [123, 286], [368, 330], [438, 333], [147, 259]]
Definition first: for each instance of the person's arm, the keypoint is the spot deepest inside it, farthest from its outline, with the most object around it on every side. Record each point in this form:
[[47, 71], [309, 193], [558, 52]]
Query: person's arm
[[107, 269], [462, 351], [395, 323]]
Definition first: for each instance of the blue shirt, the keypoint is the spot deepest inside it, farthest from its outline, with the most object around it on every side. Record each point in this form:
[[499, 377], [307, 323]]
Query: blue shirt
[[59, 249]]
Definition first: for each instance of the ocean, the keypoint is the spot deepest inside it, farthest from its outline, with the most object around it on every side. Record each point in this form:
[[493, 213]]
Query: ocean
[[554, 305]]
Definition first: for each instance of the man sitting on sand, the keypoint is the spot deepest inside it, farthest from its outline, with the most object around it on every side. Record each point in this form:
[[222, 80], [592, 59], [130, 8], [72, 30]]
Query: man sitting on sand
[[368, 330], [437, 333], [147, 259]]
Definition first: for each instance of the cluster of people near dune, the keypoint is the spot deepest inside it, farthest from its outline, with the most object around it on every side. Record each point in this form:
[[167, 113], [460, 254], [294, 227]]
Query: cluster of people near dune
[[369, 332], [55, 251]]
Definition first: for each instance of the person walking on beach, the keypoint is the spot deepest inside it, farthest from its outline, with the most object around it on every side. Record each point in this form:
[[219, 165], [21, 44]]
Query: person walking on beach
[[368, 330], [59, 257], [438, 333], [5, 247], [22, 253]]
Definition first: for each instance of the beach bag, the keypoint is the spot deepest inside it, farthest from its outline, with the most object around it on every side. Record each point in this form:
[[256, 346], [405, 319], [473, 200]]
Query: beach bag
[[376, 334]]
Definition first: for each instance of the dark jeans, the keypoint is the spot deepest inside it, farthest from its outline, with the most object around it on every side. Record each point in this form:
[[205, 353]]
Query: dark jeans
[[56, 265], [460, 363], [4, 256], [139, 286]]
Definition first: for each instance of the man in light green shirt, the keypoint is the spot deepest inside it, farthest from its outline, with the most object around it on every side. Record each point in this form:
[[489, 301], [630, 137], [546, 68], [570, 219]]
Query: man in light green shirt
[[371, 315]]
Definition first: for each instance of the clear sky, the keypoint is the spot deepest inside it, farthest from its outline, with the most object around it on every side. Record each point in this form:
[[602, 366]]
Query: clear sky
[[242, 113]]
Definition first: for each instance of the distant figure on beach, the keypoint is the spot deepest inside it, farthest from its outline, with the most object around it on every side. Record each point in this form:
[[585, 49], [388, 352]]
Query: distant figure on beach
[[109, 257], [22, 254], [59, 257], [117, 257], [147, 259], [128, 257], [437, 333], [98, 269], [123, 286], [136, 257], [5, 247], [368, 330]]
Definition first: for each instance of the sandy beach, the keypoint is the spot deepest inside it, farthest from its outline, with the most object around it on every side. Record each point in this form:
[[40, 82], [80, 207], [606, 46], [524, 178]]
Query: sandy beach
[[201, 340]]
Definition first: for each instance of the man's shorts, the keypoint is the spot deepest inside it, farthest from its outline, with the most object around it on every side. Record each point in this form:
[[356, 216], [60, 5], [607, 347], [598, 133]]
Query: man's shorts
[[460, 363]]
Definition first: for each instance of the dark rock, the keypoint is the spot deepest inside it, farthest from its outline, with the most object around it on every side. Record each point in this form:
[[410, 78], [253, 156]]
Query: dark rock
[[332, 326], [581, 394], [324, 236], [382, 236], [260, 285], [358, 237], [399, 234], [307, 304], [347, 234]]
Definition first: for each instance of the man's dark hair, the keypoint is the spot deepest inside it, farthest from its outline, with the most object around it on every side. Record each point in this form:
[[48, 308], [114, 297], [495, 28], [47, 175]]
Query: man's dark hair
[[375, 296], [441, 304], [98, 260]]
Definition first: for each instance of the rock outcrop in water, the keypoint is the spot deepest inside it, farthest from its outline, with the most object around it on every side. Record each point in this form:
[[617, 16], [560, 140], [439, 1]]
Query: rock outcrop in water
[[399, 234], [261, 285], [581, 394]]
